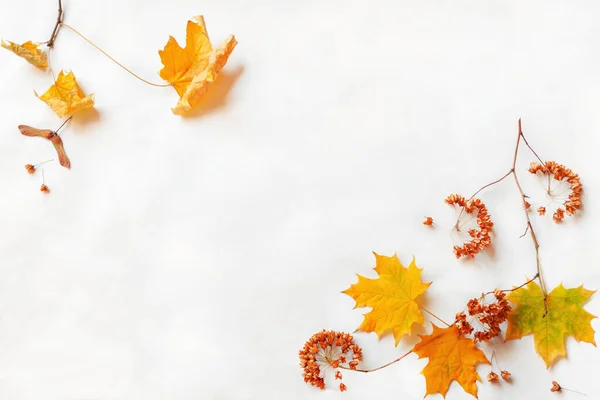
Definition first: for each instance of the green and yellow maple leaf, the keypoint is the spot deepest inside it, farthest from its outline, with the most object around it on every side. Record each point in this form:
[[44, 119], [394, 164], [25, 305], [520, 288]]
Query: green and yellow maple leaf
[[565, 317], [452, 357], [392, 297]]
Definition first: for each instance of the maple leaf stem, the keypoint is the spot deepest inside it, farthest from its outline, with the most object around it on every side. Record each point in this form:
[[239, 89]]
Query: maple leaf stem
[[378, 368], [112, 59], [59, 20], [435, 316]]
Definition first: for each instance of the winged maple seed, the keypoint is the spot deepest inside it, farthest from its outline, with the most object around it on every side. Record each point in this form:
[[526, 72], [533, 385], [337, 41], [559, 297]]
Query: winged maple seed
[[192, 69], [53, 137]]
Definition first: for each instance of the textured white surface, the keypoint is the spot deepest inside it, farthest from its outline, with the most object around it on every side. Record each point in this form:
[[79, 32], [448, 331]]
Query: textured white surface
[[190, 258]]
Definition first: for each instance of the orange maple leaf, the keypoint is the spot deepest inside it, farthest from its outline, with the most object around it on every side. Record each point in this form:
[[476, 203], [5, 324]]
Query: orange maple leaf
[[452, 357], [65, 97], [392, 296], [28, 51], [192, 69]]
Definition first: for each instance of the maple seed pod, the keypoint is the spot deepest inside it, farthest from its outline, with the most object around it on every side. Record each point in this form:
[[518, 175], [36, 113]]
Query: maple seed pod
[[505, 375], [492, 377], [53, 137]]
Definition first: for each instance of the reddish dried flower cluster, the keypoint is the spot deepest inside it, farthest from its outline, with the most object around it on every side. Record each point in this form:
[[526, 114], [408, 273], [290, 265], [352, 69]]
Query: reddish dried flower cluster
[[30, 169], [328, 349], [558, 215], [541, 211], [428, 221], [44, 189], [555, 387], [480, 237], [489, 315], [492, 377], [527, 205], [560, 172]]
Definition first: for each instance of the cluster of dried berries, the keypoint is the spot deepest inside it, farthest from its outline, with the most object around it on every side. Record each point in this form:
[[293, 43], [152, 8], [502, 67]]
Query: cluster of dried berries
[[428, 221], [489, 315], [493, 377], [328, 349], [480, 237], [560, 172]]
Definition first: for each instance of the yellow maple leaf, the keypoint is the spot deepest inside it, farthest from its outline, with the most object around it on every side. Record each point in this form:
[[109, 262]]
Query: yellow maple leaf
[[392, 297], [192, 69], [565, 316], [30, 52], [65, 97], [452, 357]]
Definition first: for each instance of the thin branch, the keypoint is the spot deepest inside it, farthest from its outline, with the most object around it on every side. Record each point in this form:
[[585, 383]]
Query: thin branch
[[525, 233], [530, 148], [529, 225], [112, 59], [435, 316], [378, 368], [515, 288], [59, 20], [490, 184]]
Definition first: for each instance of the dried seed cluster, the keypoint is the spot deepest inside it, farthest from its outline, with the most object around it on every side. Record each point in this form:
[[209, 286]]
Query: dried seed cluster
[[493, 377], [489, 315], [30, 169], [328, 349], [428, 221], [560, 172], [481, 236]]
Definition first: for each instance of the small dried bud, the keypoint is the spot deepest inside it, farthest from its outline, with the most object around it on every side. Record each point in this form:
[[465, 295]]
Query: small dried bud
[[44, 189], [342, 387], [428, 221], [527, 205], [338, 375], [30, 169], [559, 215], [541, 211], [555, 387], [492, 377], [505, 375]]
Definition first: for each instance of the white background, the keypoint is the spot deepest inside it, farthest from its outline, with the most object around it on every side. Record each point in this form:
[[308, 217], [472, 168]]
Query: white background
[[191, 258]]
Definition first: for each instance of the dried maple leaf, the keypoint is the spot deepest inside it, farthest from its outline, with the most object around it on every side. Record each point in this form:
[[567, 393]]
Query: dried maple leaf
[[392, 296], [30, 52], [51, 136], [452, 357], [565, 316], [192, 69], [65, 97]]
